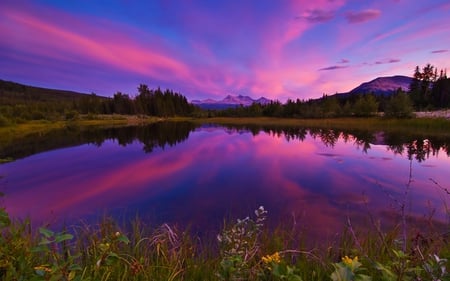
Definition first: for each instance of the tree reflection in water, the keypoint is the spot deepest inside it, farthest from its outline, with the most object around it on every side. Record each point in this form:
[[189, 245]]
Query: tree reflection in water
[[162, 134]]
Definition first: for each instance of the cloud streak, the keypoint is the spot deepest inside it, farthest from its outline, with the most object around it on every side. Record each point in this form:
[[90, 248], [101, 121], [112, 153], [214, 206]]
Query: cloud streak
[[362, 16], [333, 67], [316, 16], [439, 51], [388, 61]]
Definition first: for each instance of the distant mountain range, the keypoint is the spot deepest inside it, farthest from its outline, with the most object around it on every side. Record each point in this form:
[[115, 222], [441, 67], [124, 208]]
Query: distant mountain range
[[229, 101], [378, 86]]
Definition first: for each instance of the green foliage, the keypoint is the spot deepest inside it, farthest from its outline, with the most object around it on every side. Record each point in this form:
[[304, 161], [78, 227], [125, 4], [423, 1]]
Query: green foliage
[[16, 241], [399, 106], [349, 270], [71, 115], [276, 268], [4, 121], [400, 268], [365, 106], [5, 221], [59, 262], [239, 245], [436, 268]]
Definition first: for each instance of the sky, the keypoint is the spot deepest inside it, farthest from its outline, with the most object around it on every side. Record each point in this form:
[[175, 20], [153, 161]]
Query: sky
[[282, 49]]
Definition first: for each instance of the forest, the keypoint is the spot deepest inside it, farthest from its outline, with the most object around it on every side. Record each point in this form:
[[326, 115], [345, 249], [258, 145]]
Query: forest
[[19, 103]]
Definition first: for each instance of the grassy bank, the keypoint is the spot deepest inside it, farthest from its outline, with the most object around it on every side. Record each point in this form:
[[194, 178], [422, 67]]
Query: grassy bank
[[24, 128], [244, 250], [12, 132], [435, 126]]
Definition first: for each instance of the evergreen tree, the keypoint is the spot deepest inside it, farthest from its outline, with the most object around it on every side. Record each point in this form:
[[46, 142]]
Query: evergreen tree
[[415, 89]]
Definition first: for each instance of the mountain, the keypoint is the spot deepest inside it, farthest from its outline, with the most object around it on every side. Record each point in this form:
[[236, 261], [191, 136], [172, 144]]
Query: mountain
[[229, 101], [383, 85]]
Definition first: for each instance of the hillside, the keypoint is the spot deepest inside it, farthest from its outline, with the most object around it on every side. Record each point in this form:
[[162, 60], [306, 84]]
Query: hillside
[[383, 85], [11, 92]]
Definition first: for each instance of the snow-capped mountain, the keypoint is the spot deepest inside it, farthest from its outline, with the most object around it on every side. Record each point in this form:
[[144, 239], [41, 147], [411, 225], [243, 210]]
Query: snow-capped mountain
[[229, 101]]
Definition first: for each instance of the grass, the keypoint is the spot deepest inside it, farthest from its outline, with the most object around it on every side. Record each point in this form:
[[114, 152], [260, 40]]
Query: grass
[[435, 126], [245, 250], [12, 132]]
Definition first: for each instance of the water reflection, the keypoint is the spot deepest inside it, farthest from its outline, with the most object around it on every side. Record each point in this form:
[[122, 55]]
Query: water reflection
[[415, 146], [200, 174], [152, 136]]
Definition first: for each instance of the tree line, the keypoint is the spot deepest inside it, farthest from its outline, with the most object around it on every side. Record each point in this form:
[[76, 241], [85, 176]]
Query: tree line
[[19, 103], [153, 102], [357, 105], [430, 89]]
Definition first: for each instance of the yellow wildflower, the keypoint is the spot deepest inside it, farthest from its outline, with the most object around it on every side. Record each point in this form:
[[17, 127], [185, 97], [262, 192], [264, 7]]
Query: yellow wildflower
[[349, 261], [275, 257]]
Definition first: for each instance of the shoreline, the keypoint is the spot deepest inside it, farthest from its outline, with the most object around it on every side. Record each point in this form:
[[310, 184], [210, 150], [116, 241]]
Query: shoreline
[[445, 113]]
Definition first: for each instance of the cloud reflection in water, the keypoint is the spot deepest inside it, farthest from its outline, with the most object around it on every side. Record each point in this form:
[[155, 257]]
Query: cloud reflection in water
[[219, 173]]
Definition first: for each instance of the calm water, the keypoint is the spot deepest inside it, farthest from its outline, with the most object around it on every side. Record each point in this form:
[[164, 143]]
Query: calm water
[[198, 175]]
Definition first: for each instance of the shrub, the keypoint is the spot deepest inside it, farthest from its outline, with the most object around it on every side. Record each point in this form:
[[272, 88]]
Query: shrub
[[399, 106], [72, 115], [4, 121]]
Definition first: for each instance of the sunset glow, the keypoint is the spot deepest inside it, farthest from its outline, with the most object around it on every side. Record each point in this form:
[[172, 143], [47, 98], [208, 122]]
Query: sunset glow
[[208, 49]]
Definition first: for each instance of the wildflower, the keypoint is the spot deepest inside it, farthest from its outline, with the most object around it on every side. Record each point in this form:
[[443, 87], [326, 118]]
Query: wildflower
[[117, 234], [275, 258], [349, 261]]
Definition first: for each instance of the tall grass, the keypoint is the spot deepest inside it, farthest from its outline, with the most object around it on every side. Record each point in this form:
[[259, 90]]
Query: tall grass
[[245, 250]]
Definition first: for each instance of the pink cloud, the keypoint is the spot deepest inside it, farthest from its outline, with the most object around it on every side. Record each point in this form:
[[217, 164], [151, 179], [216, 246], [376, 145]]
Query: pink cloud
[[88, 43], [362, 16]]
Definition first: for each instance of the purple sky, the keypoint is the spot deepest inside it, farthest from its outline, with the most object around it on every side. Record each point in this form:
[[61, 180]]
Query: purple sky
[[208, 49]]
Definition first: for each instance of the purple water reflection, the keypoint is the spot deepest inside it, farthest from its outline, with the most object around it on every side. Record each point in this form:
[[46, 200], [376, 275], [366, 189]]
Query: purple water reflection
[[219, 173]]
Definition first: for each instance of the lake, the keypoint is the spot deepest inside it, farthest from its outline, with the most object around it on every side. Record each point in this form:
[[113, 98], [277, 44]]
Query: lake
[[198, 175]]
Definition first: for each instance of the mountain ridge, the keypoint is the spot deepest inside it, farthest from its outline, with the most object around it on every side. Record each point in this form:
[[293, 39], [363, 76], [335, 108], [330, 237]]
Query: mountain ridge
[[383, 85], [18, 91], [230, 101]]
